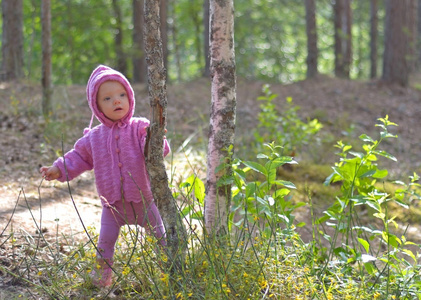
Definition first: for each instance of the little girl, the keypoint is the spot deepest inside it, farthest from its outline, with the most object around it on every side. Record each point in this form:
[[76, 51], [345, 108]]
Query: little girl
[[114, 149]]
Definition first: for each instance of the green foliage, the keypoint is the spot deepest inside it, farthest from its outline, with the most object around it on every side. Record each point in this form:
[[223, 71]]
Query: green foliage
[[284, 127], [358, 249], [379, 255], [265, 199], [270, 39]]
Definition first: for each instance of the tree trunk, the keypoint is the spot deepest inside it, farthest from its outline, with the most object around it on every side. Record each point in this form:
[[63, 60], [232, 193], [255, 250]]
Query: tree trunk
[[175, 231], [46, 58], [412, 29], [12, 40], [176, 45], [118, 38], [222, 118], [312, 50], [164, 32], [419, 33], [343, 37], [396, 45], [197, 25], [206, 71], [373, 38], [139, 61]]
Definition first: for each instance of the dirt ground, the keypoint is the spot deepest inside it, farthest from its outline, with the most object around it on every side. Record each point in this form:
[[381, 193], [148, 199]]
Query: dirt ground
[[28, 203]]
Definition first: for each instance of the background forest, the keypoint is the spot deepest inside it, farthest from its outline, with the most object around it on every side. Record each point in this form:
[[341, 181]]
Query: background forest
[[270, 38], [325, 191]]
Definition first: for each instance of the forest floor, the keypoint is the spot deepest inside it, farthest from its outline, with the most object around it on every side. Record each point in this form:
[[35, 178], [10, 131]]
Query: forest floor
[[344, 107]]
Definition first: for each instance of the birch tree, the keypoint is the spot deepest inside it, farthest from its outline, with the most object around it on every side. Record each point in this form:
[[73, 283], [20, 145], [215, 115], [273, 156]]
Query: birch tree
[[175, 231], [222, 117]]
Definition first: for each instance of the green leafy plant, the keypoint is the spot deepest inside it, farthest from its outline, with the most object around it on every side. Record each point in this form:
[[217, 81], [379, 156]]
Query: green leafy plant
[[285, 128], [378, 251]]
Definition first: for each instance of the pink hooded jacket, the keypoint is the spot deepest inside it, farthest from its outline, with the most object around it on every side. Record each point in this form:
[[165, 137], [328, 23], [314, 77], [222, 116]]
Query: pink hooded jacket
[[113, 149]]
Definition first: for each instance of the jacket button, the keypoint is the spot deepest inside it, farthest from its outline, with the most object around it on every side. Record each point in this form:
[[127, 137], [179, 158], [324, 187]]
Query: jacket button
[[120, 165], [117, 137], [117, 150]]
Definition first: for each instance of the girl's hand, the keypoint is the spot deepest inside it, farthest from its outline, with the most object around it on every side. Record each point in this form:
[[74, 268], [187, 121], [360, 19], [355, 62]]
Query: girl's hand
[[50, 173]]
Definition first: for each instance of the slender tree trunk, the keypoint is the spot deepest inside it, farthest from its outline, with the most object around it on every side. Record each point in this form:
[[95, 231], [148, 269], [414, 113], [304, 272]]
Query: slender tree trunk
[[164, 32], [176, 44], [343, 37], [419, 33], [46, 58], [222, 118], [396, 47], [12, 39], [197, 24], [412, 29], [32, 40], [373, 38], [312, 50], [206, 71], [175, 231], [70, 46], [118, 38], [139, 61]]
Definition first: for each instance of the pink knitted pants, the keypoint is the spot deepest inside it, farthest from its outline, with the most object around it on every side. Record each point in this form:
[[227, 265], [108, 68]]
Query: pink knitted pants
[[130, 213]]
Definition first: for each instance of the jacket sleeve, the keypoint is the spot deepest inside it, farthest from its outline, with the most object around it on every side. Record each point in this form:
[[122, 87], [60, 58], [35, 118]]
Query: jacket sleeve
[[76, 161]]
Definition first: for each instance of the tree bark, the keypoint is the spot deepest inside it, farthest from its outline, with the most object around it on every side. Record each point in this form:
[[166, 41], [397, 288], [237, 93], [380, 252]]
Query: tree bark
[[175, 231], [312, 50], [164, 32], [396, 45], [175, 42], [118, 38], [139, 61], [373, 38], [12, 40], [46, 58], [343, 37], [222, 118], [419, 33], [412, 29], [206, 70]]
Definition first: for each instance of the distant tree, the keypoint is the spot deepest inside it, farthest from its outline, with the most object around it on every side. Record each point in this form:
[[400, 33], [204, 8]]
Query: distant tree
[[194, 11], [396, 44], [312, 50], [139, 61], [419, 33], [12, 39], [163, 12], [175, 231], [173, 28], [46, 58], [222, 118], [206, 70], [343, 37], [412, 32], [373, 38], [118, 38]]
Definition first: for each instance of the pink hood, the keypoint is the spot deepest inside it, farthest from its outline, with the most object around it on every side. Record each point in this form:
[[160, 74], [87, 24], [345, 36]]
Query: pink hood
[[99, 75]]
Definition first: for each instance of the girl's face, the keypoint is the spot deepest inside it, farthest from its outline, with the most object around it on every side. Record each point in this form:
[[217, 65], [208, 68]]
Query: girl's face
[[112, 100]]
